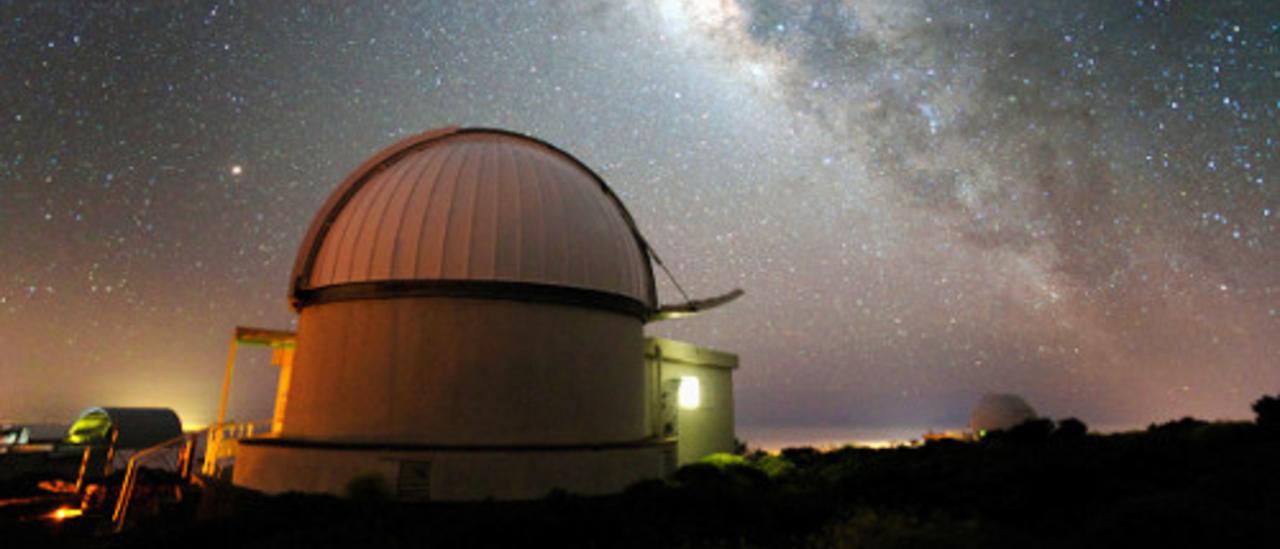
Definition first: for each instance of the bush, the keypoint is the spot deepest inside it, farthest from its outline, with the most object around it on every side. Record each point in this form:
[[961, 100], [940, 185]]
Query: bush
[[1072, 429], [869, 529], [802, 457], [711, 481], [1267, 409], [368, 488], [1031, 431], [771, 465], [722, 460], [1182, 426]]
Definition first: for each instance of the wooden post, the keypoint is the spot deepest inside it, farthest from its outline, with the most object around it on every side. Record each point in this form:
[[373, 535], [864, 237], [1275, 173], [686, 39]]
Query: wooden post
[[186, 463], [111, 453], [215, 431], [226, 383], [84, 466], [126, 493], [282, 356], [187, 457]]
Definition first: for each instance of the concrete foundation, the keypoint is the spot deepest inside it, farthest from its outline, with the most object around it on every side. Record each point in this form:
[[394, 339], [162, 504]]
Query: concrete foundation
[[448, 474]]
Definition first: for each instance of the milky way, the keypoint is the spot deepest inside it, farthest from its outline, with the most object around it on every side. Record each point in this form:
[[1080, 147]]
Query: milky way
[[924, 200]]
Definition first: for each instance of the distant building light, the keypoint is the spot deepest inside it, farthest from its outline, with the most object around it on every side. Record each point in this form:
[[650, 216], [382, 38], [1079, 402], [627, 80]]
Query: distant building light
[[690, 395]]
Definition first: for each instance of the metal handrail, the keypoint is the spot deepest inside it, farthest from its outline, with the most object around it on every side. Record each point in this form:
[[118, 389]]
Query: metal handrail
[[221, 442], [187, 442]]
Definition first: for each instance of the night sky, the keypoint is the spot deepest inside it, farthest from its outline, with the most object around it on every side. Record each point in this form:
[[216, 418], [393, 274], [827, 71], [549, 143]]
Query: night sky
[[925, 200]]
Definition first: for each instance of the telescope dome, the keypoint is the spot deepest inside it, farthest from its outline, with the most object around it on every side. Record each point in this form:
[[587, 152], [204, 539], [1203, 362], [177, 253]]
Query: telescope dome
[[475, 211]]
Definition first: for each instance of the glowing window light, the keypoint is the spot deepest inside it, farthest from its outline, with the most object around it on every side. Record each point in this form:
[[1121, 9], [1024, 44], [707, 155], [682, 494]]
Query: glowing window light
[[690, 394]]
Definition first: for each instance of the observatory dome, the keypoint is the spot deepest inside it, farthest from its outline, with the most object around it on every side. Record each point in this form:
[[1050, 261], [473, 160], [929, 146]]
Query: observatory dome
[[471, 311], [997, 412], [454, 212]]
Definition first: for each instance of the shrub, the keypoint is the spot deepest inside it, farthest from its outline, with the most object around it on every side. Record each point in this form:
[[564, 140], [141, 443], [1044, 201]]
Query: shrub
[[771, 465], [802, 457], [1178, 427], [722, 460], [708, 479], [1028, 432], [1267, 409], [368, 488], [697, 474], [869, 529], [1071, 428]]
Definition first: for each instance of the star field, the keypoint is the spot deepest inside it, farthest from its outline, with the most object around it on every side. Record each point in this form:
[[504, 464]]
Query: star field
[[924, 200]]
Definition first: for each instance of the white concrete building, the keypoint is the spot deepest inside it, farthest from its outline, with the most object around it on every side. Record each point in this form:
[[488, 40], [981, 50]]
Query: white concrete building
[[471, 310]]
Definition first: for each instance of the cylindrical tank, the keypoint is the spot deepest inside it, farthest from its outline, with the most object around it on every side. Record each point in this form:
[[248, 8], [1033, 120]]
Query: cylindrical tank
[[467, 291]]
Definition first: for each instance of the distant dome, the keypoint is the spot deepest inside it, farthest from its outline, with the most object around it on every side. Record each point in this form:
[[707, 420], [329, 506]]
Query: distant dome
[[996, 412], [446, 211]]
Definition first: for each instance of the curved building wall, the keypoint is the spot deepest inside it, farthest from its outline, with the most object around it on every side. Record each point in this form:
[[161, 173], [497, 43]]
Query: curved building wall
[[459, 371], [410, 474]]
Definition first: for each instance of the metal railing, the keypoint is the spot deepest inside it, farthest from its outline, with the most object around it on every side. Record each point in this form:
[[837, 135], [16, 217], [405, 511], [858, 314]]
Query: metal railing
[[176, 454], [223, 441]]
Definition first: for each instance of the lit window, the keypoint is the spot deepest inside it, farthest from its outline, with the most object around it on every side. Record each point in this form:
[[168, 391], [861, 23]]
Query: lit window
[[690, 395]]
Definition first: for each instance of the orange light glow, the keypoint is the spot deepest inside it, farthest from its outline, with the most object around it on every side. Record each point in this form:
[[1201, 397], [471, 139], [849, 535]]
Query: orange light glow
[[64, 513]]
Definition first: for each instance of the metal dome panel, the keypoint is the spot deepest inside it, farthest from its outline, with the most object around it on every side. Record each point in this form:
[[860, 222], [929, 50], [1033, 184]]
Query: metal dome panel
[[475, 205]]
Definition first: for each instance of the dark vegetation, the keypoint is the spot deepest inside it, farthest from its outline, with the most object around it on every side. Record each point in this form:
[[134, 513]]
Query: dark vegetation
[[1185, 483]]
